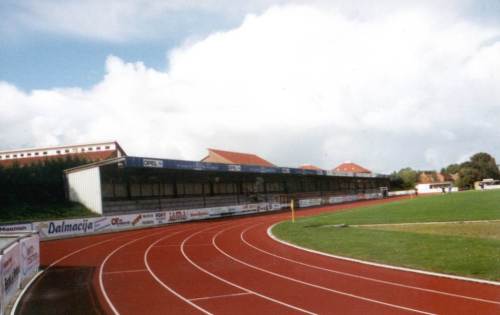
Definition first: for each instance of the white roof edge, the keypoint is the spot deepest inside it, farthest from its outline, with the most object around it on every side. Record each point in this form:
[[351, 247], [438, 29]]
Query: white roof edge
[[57, 147], [95, 164]]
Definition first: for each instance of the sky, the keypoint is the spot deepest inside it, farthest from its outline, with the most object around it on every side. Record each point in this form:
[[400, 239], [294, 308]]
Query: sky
[[385, 84]]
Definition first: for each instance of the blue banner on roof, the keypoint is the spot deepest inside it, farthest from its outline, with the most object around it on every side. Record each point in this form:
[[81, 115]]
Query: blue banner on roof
[[142, 162]]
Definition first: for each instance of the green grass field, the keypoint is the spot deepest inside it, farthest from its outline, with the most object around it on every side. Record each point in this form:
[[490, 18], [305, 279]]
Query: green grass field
[[466, 249]]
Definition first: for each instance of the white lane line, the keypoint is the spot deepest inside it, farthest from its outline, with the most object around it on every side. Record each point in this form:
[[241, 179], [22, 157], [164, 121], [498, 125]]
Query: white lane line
[[20, 296], [364, 262], [42, 273], [151, 272], [87, 247], [124, 271], [101, 282], [219, 296], [311, 284], [177, 245], [234, 284], [347, 274]]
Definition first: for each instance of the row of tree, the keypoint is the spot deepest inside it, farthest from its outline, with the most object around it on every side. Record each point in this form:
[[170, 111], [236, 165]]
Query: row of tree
[[36, 184], [478, 167]]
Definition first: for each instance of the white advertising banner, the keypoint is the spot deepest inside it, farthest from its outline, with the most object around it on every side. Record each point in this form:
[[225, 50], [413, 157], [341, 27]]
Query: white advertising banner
[[25, 227], [75, 227], [303, 203], [58, 228], [161, 218], [11, 268], [30, 257], [336, 199], [199, 214], [177, 216], [147, 219]]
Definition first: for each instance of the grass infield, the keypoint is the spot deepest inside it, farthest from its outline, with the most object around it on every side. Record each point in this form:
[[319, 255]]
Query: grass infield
[[468, 249]]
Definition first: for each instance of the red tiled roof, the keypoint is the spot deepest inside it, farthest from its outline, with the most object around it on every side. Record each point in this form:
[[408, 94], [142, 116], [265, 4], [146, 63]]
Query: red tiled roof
[[349, 167], [242, 158], [310, 167]]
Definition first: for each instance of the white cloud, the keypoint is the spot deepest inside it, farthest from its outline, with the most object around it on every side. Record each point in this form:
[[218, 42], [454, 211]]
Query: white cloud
[[296, 84]]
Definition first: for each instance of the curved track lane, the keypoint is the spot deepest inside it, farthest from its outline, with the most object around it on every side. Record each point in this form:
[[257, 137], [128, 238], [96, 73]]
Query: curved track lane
[[233, 267]]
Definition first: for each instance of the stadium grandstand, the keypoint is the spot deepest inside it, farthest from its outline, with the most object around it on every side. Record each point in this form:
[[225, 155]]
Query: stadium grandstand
[[91, 152], [134, 184]]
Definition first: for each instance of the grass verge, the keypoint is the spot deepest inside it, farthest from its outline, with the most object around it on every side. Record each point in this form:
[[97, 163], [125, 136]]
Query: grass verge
[[27, 212]]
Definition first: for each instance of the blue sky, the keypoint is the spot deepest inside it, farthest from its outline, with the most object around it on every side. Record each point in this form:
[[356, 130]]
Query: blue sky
[[296, 81], [34, 57]]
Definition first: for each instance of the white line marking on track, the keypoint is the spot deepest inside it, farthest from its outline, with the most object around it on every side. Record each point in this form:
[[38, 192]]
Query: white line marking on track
[[178, 245], [220, 296], [242, 237], [101, 283], [124, 271], [311, 284], [20, 296], [234, 284], [146, 254]]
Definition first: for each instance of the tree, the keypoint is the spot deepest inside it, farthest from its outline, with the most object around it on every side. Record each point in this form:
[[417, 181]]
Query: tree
[[396, 182], [467, 176], [408, 177], [486, 165], [451, 169]]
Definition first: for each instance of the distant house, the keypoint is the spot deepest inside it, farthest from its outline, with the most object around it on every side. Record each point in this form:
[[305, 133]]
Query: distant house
[[433, 177], [488, 183], [310, 167], [90, 151], [229, 157], [349, 167]]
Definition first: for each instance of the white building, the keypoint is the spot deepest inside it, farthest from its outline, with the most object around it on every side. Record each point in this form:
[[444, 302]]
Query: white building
[[432, 188], [487, 183]]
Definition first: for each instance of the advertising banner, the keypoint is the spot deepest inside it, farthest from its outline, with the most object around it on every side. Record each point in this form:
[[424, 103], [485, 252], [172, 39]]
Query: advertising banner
[[199, 214], [58, 228], [160, 218], [147, 219], [102, 224], [336, 199], [303, 203], [126, 221], [75, 227], [10, 274], [26, 227], [30, 257], [178, 216]]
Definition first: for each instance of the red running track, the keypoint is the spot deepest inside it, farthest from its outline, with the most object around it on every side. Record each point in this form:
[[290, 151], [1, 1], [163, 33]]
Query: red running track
[[233, 267]]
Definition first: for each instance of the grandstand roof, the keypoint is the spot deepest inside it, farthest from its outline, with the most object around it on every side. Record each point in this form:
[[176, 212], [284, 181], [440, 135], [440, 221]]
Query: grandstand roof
[[181, 165], [349, 167], [309, 167], [229, 157]]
